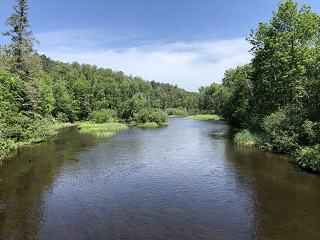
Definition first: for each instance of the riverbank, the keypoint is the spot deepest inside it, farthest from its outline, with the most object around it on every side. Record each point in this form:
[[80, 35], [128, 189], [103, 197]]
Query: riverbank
[[307, 158]]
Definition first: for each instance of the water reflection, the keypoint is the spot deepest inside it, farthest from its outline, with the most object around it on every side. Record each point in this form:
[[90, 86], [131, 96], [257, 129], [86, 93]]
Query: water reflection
[[23, 183], [185, 181], [285, 198]]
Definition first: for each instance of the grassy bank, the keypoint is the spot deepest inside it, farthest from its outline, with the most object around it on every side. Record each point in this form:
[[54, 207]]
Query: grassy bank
[[103, 130], [212, 117], [246, 138]]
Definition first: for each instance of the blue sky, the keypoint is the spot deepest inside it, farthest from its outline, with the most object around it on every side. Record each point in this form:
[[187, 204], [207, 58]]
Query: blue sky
[[185, 42]]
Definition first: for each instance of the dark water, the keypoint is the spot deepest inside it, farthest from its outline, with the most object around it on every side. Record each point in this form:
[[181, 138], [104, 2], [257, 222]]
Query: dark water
[[185, 181]]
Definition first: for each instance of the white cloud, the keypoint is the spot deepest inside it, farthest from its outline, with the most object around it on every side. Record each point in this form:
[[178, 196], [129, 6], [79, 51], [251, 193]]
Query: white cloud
[[187, 64]]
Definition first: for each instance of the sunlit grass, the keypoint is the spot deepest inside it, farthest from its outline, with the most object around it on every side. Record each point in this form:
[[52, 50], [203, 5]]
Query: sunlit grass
[[104, 134], [148, 125], [103, 130], [205, 117], [152, 125]]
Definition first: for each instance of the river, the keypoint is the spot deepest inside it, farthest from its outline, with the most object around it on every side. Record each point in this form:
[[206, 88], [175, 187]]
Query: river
[[184, 181]]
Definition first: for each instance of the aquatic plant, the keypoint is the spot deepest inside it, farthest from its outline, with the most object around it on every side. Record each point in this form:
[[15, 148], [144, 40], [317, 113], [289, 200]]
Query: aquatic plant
[[104, 130], [148, 125], [246, 138], [213, 117]]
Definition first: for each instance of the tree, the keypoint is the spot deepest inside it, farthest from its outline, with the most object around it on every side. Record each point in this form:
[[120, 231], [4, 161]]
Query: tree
[[283, 52], [22, 40], [239, 83]]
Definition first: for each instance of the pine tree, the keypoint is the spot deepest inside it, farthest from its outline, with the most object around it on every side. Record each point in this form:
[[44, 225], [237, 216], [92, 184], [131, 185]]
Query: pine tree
[[22, 39]]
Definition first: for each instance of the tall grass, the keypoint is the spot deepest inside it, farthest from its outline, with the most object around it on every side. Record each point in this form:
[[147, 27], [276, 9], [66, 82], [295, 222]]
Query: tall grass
[[246, 138], [213, 117], [149, 125], [103, 130]]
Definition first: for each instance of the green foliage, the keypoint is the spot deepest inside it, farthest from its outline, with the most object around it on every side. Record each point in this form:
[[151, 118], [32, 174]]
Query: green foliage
[[149, 115], [148, 125], [283, 54], [104, 130], [277, 94], [103, 116], [310, 158], [39, 129], [309, 133], [213, 98], [237, 104], [205, 117], [4, 149], [177, 112], [22, 40], [94, 127], [281, 130], [35, 90], [246, 138]]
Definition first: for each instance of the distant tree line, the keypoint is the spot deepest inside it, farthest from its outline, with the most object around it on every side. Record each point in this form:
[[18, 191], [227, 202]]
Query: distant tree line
[[37, 92], [277, 95]]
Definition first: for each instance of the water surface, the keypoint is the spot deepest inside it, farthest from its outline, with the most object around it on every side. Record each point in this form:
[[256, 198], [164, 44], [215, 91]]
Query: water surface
[[185, 181]]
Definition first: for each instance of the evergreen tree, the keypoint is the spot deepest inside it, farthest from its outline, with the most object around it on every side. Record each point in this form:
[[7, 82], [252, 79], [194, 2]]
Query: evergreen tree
[[22, 39]]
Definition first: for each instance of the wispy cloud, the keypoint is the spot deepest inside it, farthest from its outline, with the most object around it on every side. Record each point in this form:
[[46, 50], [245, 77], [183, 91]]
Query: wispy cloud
[[187, 64]]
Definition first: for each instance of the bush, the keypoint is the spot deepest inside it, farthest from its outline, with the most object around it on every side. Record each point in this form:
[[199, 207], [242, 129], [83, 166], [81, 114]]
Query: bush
[[103, 116], [36, 129], [309, 133], [62, 117], [147, 115], [310, 159], [4, 150], [280, 127], [177, 112]]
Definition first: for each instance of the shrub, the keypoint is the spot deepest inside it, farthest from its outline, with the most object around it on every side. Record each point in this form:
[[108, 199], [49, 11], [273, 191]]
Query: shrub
[[147, 115], [4, 150], [309, 159], [62, 117], [103, 116], [177, 112], [280, 127]]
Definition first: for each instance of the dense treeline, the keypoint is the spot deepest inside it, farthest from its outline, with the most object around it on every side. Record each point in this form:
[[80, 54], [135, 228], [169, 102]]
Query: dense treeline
[[277, 95], [64, 92], [37, 92]]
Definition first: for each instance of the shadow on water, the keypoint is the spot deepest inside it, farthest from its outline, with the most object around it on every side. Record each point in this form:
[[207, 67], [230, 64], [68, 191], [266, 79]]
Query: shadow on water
[[24, 182], [286, 198]]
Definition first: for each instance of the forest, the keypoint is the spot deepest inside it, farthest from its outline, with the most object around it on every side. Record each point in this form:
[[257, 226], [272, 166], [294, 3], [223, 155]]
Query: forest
[[37, 92], [274, 99]]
